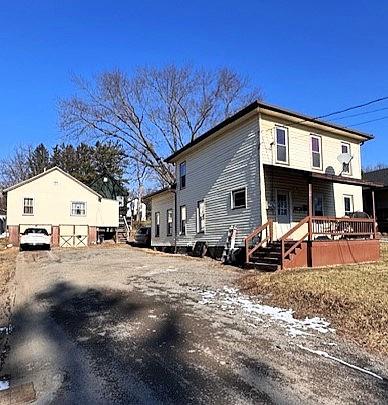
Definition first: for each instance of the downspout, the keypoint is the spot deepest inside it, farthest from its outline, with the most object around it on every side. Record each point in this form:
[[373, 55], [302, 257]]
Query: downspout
[[175, 220]]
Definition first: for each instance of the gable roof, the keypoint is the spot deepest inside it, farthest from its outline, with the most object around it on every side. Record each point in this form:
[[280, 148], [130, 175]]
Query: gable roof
[[271, 108], [56, 168], [380, 176]]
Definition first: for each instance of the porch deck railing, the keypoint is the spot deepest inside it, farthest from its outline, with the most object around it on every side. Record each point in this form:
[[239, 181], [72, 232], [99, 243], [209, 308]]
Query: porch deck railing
[[330, 227], [257, 238], [343, 227]]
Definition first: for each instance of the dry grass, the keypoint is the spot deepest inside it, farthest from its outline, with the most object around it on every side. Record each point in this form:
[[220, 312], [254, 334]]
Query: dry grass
[[354, 297]]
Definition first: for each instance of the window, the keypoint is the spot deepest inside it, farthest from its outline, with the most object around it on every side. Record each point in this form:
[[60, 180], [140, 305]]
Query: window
[[318, 205], [28, 206], [182, 175], [169, 222], [281, 144], [201, 216], [182, 221], [157, 224], [316, 152], [78, 208], [239, 198], [348, 204], [345, 148]]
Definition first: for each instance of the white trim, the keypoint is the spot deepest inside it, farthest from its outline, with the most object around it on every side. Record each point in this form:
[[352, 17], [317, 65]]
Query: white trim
[[246, 198], [78, 202], [349, 173], [201, 231], [351, 197], [287, 145], [319, 137], [33, 207]]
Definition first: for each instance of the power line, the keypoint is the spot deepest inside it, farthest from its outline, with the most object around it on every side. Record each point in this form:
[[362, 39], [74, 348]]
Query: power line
[[362, 113], [352, 108], [367, 122]]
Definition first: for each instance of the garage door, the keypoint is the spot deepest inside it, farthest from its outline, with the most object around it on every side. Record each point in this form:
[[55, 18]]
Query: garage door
[[73, 235]]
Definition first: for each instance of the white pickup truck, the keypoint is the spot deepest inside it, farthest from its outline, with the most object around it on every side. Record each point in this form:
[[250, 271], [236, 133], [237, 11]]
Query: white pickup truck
[[35, 237]]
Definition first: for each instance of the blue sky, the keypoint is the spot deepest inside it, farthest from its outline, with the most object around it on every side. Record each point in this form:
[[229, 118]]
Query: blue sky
[[307, 56]]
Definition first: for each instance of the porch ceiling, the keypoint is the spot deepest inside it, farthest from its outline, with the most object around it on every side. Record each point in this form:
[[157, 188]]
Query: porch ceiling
[[328, 177]]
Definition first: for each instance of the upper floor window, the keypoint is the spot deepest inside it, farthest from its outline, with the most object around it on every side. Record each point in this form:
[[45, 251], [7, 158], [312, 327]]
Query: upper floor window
[[281, 144], [201, 216], [182, 220], [169, 222], [157, 224], [182, 175], [345, 148], [78, 208], [316, 152], [28, 206], [239, 198]]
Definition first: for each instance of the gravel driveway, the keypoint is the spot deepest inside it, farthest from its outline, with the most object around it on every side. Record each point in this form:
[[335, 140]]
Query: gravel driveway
[[125, 325]]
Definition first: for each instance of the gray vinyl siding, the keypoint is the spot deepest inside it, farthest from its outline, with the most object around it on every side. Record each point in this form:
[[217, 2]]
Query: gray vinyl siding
[[297, 186], [225, 163], [161, 203]]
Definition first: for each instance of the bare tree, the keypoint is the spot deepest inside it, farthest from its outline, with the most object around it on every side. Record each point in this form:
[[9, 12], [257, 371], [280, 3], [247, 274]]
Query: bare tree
[[155, 111], [377, 166], [15, 168]]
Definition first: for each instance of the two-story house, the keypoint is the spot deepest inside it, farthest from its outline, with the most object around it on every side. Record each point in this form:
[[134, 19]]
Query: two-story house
[[284, 180]]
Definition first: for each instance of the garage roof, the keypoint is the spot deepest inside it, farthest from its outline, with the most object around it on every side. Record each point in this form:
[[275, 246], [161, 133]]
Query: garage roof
[[56, 168]]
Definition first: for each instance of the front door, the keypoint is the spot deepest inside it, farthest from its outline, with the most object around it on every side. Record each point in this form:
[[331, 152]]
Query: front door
[[283, 212]]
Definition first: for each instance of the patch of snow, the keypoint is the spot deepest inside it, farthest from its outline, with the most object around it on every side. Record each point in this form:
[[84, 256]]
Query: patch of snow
[[163, 271], [6, 330], [4, 385], [231, 300], [329, 356]]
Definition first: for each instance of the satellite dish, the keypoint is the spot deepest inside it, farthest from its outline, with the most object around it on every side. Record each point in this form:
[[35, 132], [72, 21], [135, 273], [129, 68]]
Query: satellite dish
[[344, 158]]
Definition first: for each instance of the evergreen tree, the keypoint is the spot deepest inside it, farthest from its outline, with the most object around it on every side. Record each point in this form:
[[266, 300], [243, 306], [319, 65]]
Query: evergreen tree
[[38, 160]]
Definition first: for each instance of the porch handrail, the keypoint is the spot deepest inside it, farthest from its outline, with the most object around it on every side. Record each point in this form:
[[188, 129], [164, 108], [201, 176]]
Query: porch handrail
[[343, 226], [268, 227], [295, 245]]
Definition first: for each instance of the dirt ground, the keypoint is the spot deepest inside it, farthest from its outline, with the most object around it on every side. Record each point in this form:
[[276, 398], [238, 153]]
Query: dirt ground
[[125, 325]]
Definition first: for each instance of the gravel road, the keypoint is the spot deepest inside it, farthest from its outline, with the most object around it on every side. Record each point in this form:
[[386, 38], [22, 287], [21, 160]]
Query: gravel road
[[126, 325]]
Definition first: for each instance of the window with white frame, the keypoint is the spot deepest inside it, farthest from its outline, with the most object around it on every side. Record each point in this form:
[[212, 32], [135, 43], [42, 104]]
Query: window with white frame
[[345, 148], [78, 208], [28, 206], [281, 138], [182, 175], [239, 198], [182, 220], [348, 204], [316, 152], [169, 222], [201, 216], [157, 224]]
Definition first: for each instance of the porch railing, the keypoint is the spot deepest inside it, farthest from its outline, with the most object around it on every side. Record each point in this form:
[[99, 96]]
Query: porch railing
[[343, 227], [331, 227], [263, 233], [296, 244]]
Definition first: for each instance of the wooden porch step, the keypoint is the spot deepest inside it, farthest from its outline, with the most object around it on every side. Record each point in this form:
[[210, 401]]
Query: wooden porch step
[[262, 266]]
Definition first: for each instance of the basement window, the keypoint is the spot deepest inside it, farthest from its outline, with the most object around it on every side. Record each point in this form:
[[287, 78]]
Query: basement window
[[78, 208], [28, 206]]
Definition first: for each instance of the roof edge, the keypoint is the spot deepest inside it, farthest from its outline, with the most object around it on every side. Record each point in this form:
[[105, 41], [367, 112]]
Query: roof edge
[[258, 104], [171, 188], [22, 183]]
